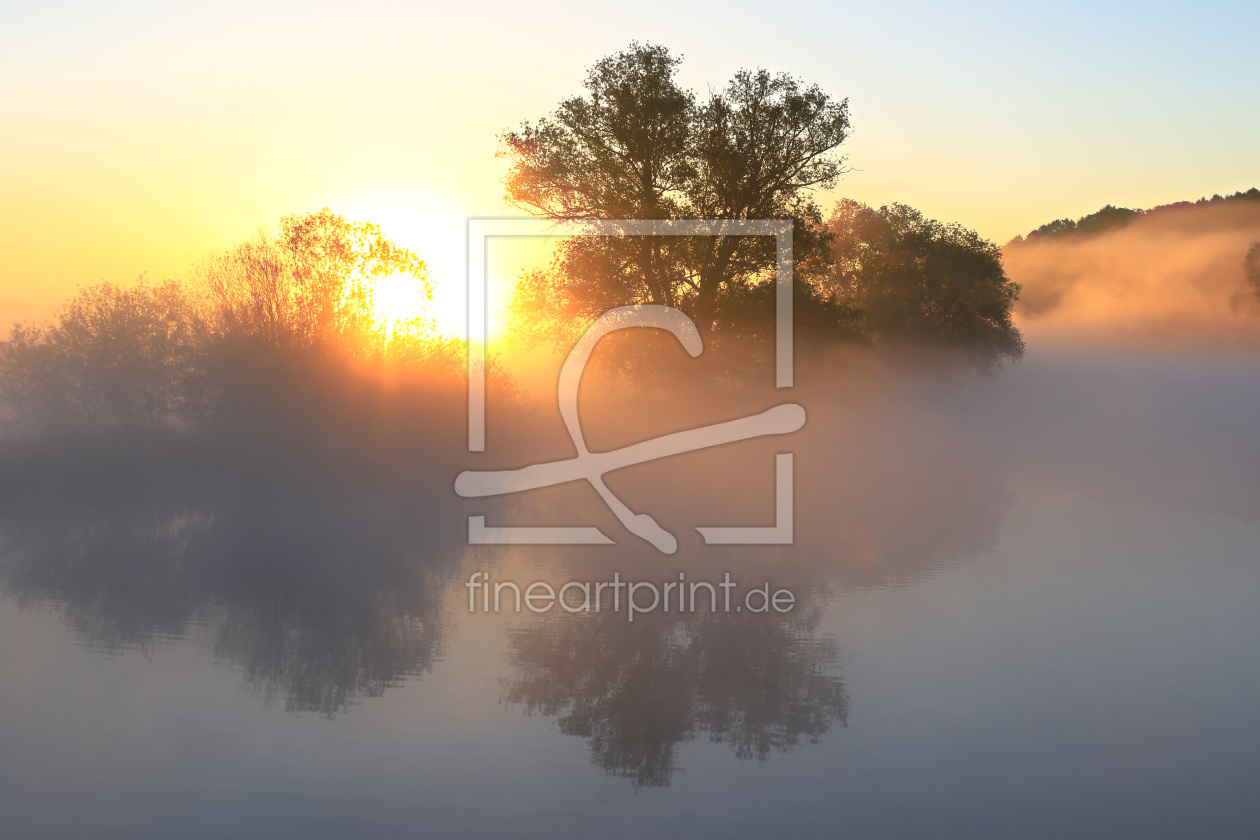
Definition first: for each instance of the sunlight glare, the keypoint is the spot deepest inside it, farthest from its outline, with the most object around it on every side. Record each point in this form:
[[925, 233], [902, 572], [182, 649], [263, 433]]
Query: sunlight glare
[[434, 229]]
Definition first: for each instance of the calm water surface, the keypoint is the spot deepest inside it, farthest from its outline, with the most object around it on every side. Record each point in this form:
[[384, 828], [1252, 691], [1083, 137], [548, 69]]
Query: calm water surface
[[1027, 606]]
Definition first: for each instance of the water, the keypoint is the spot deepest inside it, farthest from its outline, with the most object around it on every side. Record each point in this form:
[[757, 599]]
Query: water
[[1025, 608]]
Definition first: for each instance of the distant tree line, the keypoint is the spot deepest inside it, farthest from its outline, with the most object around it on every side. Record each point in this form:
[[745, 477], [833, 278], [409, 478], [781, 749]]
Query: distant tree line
[[1111, 217]]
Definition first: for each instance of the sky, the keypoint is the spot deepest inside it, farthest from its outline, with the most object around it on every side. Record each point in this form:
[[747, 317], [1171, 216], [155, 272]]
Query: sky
[[138, 136]]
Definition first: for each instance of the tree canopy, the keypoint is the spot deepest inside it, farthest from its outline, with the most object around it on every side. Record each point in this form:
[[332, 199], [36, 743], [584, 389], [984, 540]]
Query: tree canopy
[[271, 310], [1105, 219], [310, 286], [1251, 267], [1111, 217], [919, 280], [116, 357], [637, 145]]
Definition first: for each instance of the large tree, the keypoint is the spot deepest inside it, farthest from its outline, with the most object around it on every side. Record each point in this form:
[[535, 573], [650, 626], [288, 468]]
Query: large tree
[[637, 145]]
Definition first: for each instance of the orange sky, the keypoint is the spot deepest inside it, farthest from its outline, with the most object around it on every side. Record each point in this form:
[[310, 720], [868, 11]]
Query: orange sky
[[138, 136]]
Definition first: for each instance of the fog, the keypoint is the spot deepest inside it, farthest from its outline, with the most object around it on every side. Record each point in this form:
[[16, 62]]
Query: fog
[[306, 535], [1169, 280]]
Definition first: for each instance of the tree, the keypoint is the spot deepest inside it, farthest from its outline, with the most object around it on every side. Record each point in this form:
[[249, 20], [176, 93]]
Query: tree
[[1111, 217], [921, 281], [1247, 298], [275, 312], [1251, 267], [310, 288], [639, 146], [115, 358], [1107, 218]]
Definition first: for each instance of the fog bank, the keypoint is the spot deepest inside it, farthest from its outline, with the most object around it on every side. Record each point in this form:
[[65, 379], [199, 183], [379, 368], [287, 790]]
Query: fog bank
[[1172, 278]]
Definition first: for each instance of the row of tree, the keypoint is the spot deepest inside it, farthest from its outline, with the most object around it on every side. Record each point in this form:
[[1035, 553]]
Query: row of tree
[[1111, 217], [180, 352], [636, 145]]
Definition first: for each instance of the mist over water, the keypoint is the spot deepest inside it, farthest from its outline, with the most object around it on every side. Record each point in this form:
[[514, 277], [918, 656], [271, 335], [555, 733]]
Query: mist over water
[[1172, 279], [1022, 597], [940, 513]]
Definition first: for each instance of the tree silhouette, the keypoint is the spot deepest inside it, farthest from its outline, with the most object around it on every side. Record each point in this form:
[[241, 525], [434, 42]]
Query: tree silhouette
[[1104, 219], [1247, 298], [1251, 266], [116, 358], [1110, 216], [310, 287], [256, 320], [918, 280], [638, 146]]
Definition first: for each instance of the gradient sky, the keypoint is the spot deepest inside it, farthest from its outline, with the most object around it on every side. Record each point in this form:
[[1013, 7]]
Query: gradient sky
[[138, 136]]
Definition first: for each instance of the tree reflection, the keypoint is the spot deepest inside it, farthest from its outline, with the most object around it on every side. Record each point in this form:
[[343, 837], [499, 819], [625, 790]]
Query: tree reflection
[[894, 477], [318, 595], [637, 691]]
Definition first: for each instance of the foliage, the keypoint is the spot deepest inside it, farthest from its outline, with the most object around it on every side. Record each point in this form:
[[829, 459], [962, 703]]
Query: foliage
[[309, 287], [1251, 268], [919, 280], [1110, 217], [1105, 219], [115, 358], [639, 146], [1247, 298], [268, 333]]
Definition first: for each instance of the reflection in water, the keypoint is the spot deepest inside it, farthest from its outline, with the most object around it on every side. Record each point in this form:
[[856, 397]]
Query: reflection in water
[[118, 578], [319, 596], [636, 691], [322, 583], [869, 510]]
